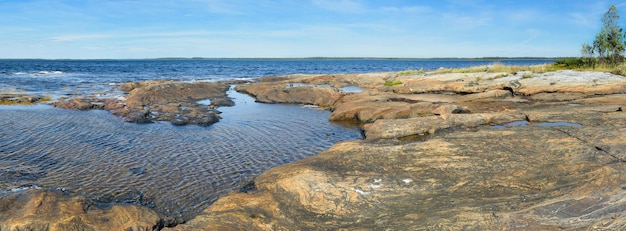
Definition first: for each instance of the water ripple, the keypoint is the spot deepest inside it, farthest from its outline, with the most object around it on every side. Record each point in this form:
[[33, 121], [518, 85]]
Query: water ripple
[[178, 170]]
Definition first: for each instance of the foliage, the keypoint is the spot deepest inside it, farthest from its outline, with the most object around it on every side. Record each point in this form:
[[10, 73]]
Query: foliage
[[587, 58], [573, 63], [393, 83], [501, 68], [570, 63], [609, 43], [582, 64]]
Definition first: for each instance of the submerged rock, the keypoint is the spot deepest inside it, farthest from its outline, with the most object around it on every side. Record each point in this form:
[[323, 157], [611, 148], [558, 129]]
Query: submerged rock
[[20, 99]]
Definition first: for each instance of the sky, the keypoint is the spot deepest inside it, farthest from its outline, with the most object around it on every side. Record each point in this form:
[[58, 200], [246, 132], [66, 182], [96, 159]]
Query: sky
[[128, 29]]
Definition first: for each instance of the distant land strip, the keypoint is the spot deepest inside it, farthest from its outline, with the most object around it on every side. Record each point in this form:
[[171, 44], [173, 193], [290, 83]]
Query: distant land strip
[[367, 58]]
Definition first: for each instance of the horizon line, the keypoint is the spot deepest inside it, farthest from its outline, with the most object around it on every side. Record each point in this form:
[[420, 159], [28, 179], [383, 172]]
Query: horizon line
[[297, 58]]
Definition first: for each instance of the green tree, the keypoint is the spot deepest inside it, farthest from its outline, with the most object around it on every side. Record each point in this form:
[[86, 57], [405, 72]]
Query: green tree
[[588, 58], [609, 43]]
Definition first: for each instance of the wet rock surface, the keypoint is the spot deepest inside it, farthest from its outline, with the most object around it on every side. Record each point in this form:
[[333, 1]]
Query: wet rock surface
[[281, 93], [37, 209], [21, 99], [442, 154], [147, 102]]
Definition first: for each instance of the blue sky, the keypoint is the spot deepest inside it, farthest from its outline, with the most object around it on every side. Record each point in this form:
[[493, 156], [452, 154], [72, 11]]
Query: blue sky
[[80, 29]]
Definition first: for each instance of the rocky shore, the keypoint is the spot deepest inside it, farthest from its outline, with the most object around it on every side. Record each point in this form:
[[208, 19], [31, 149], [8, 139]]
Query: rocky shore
[[145, 102], [22, 99], [458, 151]]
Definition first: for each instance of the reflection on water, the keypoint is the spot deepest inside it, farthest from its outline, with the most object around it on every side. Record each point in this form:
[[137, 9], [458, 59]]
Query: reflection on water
[[351, 89], [512, 124], [178, 170]]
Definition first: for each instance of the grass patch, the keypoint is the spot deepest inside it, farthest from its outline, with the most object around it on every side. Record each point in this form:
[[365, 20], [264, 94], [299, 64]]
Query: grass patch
[[617, 69], [393, 83], [576, 64], [411, 72], [501, 68], [590, 64]]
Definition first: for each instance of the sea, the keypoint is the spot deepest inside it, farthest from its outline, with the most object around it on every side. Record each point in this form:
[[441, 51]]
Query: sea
[[176, 170]]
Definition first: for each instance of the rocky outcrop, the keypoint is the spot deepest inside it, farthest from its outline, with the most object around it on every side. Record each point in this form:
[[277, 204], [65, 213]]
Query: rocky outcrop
[[585, 83], [464, 151], [177, 102], [367, 107], [419, 95], [89, 103], [37, 209], [146, 102], [397, 128], [442, 154], [582, 83], [21, 99], [319, 90], [473, 176], [281, 93]]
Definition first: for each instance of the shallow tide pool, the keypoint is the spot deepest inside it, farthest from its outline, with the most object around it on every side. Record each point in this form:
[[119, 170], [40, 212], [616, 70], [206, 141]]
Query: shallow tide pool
[[178, 171]]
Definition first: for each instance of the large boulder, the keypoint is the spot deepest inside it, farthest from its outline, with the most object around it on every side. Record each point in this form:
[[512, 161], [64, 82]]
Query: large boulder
[[147, 102], [371, 105], [88, 103], [282, 93], [177, 102]]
